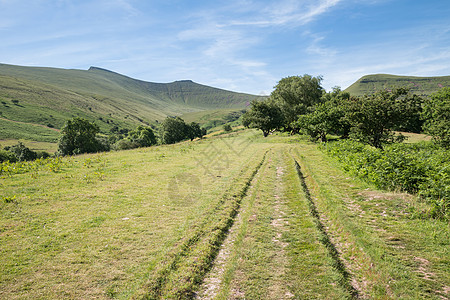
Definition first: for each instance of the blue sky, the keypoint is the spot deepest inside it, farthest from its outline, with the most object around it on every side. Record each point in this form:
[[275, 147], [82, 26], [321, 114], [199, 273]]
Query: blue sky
[[239, 45]]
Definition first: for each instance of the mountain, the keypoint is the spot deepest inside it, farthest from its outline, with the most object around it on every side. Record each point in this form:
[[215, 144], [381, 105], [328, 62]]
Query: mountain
[[419, 85], [44, 98]]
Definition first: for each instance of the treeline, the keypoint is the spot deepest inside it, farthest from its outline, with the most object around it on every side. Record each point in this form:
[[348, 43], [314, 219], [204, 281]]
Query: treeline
[[299, 104], [82, 136]]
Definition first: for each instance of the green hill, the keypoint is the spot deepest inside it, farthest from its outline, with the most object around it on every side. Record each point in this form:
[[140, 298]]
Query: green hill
[[34, 101], [419, 85]]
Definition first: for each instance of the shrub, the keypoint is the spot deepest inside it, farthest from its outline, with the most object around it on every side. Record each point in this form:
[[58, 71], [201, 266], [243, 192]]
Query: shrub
[[227, 127], [6, 155], [80, 136], [423, 169], [22, 152]]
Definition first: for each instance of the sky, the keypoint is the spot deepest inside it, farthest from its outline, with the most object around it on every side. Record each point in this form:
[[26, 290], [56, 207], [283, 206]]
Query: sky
[[239, 45]]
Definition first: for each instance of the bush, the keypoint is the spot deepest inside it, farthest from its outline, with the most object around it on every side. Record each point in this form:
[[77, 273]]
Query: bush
[[22, 152], [125, 144], [227, 127], [42, 154], [437, 115], [80, 136], [423, 169], [6, 155]]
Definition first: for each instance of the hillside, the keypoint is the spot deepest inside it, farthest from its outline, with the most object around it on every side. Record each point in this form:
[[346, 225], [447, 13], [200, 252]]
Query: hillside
[[49, 96], [419, 85]]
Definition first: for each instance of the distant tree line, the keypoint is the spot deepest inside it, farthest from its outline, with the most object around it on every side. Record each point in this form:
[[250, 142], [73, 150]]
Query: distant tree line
[[81, 136], [299, 104]]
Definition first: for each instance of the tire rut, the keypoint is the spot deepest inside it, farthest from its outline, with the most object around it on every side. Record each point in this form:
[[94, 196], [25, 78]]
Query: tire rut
[[345, 277]]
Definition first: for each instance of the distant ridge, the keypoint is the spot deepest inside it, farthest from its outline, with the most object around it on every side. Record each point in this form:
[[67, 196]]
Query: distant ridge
[[419, 85], [50, 96]]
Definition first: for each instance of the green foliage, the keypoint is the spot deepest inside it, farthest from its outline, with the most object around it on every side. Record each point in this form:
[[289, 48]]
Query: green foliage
[[373, 117], [194, 131], [80, 136], [326, 117], [143, 136], [415, 168], [265, 115], [6, 155], [295, 94], [227, 128], [9, 168], [174, 130], [21, 152], [437, 115]]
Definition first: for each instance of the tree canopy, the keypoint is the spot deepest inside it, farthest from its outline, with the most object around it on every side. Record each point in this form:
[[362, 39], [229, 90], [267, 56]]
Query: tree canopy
[[437, 115], [143, 136], [295, 94], [174, 130], [373, 117], [264, 115], [80, 136]]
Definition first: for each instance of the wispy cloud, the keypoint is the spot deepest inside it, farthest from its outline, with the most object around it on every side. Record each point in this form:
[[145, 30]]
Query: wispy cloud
[[243, 45], [287, 12]]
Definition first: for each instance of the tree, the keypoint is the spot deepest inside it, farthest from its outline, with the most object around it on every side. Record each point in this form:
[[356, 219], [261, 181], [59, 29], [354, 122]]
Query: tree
[[373, 117], [194, 131], [227, 127], [295, 94], [323, 120], [142, 136], [437, 115], [79, 136], [410, 105], [22, 152], [264, 115], [174, 130], [326, 117]]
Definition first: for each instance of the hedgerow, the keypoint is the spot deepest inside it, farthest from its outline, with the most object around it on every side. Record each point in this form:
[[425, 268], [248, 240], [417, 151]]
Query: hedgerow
[[421, 169]]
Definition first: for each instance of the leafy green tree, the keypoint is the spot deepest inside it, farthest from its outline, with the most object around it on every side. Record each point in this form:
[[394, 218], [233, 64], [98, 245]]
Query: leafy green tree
[[265, 115], [80, 136], [227, 127], [410, 105], [326, 117], [437, 115], [321, 121], [174, 130], [142, 136], [295, 94], [373, 117], [194, 131], [6, 155]]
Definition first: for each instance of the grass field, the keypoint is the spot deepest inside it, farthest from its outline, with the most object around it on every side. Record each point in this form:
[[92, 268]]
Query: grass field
[[228, 217]]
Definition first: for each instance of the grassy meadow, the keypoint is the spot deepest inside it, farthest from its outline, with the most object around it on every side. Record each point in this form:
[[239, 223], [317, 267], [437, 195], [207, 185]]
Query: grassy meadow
[[235, 216]]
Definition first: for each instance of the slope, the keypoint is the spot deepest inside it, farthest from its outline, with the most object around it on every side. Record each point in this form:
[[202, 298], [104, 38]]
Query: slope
[[49, 96], [419, 85]]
